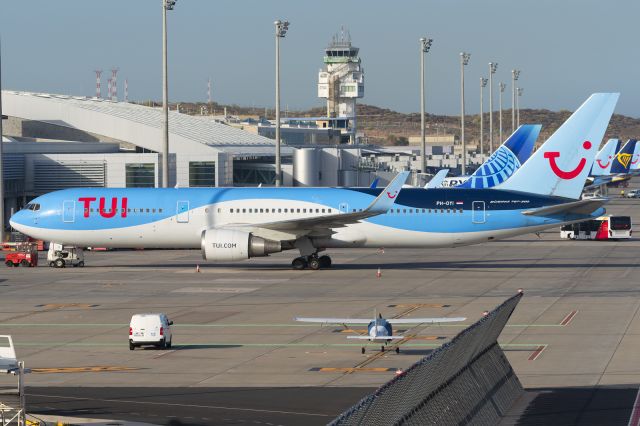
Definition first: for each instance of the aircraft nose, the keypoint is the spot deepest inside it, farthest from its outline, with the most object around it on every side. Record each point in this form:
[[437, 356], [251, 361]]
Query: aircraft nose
[[17, 220]]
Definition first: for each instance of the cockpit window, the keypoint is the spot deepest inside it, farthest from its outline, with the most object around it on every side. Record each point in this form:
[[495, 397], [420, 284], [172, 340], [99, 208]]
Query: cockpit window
[[32, 206]]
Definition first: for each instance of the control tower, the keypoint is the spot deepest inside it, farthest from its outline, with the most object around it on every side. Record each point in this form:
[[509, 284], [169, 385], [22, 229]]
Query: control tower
[[341, 82]]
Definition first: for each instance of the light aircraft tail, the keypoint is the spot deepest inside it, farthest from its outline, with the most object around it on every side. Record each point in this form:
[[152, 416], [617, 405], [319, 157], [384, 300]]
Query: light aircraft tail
[[635, 159], [561, 165], [508, 158], [602, 165], [436, 181], [622, 160]]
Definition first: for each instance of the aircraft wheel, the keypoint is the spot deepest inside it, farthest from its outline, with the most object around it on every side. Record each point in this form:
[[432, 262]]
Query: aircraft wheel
[[325, 262], [362, 350], [397, 350], [314, 263], [299, 263]]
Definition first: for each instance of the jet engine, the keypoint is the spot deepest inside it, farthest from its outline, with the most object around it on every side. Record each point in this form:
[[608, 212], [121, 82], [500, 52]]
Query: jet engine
[[226, 245]]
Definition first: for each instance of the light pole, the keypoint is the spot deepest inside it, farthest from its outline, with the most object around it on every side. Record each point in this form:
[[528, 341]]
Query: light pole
[[281, 30], [483, 84], [1, 161], [502, 87], [520, 90], [515, 74], [464, 60], [166, 5], [425, 45], [493, 66]]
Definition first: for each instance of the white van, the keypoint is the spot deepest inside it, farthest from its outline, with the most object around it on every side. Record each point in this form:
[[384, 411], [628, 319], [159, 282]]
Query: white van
[[150, 329]]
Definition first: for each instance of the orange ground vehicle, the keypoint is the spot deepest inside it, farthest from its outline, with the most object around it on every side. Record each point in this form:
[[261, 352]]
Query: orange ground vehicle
[[26, 254]]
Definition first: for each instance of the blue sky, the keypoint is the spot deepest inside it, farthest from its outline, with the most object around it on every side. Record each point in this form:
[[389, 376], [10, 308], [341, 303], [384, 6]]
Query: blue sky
[[566, 49]]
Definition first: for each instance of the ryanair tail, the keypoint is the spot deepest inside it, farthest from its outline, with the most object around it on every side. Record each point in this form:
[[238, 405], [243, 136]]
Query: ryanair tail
[[622, 160], [561, 165], [508, 158]]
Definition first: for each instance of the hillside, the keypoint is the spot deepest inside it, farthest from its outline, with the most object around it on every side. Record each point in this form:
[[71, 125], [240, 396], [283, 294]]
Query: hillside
[[382, 125]]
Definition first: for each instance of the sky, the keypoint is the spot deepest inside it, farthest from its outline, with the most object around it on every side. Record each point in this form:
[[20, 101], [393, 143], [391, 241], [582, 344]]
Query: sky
[[566, 49]]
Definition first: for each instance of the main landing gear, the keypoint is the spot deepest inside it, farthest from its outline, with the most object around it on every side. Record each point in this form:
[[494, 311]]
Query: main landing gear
[[314, 262]]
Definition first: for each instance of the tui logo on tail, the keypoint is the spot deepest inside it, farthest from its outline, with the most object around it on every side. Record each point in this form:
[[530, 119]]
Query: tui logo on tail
[[570, 174], [604, 166]]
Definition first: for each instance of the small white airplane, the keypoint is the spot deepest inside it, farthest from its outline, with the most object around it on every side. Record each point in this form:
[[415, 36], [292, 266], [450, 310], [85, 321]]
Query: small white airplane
[[379, 330]]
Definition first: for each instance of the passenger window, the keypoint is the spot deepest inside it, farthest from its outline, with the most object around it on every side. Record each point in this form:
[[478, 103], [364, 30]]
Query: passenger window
[[304, 210], [410, 210], [160, 210], [244, 210], [424, 210], [219, 210], [153, 211], [279, 210], [230, 210], [261, 210], [298, 210], [448, 210], [441, 210], [129, 210], [461, 211], [322, 210], [404, 210]]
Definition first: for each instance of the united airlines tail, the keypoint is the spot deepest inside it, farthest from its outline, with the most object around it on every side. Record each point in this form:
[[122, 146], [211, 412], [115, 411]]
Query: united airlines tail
[[602, 165], [561, 165], [508, 158], [622, 160]]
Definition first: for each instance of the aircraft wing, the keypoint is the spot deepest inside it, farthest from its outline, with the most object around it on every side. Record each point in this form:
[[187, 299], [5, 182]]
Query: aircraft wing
[[578, 207], [423, 320], [368, 337], [335, 320], [321, 225]]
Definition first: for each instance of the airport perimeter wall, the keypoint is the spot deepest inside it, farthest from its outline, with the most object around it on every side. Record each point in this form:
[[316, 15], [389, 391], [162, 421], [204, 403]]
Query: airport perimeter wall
[[466, 381]]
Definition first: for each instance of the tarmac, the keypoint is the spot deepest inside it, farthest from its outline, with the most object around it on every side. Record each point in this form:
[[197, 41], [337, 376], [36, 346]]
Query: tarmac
[[577, 328]]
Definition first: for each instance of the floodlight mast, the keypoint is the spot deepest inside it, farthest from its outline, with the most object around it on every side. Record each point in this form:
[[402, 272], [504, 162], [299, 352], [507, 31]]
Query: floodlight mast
[[464, 60], [493, 66], [281, 29], [166, 5], [515, 74], [483, 84], [520, 90], [425, 45], [502, 87]]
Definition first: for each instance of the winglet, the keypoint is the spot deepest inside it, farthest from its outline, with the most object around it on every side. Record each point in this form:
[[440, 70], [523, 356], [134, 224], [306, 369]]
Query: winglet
[[388, 196]]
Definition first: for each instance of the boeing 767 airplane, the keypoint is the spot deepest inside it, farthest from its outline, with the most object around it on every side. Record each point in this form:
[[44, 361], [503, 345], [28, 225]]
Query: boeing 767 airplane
[[231, 224]]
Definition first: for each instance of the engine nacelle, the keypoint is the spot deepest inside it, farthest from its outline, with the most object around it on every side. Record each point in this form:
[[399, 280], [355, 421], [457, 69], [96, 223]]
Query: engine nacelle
[[226, 245]]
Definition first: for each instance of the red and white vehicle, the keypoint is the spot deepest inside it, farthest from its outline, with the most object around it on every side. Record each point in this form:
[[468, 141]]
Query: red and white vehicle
[[602, 228]]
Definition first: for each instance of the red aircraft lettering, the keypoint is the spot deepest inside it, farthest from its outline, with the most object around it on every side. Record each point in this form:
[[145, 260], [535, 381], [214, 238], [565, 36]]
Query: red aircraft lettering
[[395, 194], [561, 173], [637, 159], [86, 201], [87, 204]]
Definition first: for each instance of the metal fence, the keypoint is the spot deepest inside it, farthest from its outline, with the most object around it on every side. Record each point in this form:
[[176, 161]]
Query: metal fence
[[466, 381]]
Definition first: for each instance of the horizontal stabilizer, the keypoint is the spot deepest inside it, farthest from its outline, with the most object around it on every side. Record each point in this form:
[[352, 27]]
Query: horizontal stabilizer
[[586, 207], [390, 320], [367, 337]]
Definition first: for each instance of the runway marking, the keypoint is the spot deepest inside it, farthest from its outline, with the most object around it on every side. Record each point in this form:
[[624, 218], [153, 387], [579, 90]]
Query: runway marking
[[352, 369], [215, 290], [67, 305], [426, 337], [568, 318], [419, 305], [215, 407], [361, 331], [97, 369], [261, 325], [535, 354], [634, 420]]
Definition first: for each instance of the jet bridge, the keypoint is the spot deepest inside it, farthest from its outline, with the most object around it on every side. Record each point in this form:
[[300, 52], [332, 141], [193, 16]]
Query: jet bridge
[[466, 381]]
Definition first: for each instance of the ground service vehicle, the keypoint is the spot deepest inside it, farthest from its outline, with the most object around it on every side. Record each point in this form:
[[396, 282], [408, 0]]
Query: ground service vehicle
[[602, 228], [634, 193], [150, 330], [60, 256], [26, 254]]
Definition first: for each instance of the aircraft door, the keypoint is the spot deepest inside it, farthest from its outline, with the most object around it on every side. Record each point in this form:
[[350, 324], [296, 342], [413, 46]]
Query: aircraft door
[[478, 212], [182, 212], [344, 207], [69, 211]]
